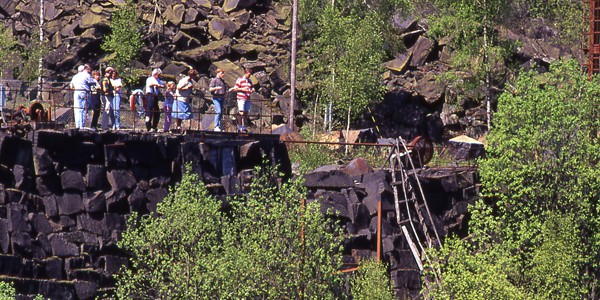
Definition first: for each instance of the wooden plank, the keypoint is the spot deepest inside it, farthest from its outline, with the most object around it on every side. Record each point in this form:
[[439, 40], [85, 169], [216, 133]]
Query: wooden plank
[[413, 248]]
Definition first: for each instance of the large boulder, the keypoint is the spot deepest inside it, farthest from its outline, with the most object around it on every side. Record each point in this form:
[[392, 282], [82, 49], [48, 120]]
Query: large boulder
[[421, 51], [211, 52], [230, 5], [222, 28]]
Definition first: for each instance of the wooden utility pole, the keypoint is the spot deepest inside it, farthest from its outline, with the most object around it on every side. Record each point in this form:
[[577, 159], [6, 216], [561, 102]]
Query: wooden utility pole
[[293, 63]]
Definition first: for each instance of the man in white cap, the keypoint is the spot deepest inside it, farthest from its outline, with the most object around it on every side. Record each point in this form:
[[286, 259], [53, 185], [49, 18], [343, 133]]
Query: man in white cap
[[81, 83]]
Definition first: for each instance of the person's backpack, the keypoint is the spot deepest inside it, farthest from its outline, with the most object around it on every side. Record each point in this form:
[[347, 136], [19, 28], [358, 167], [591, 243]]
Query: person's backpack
[[137, 101]]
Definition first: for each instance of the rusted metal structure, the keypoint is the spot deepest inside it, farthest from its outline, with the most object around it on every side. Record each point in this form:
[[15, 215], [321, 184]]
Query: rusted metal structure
[[592, 17]]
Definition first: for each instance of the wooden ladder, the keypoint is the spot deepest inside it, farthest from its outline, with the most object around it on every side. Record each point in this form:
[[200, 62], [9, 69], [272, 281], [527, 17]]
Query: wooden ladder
[[400, 164]]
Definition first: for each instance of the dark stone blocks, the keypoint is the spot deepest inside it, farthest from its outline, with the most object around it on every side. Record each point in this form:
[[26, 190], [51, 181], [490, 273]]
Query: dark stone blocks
[[62, 247], [70, 204], [121, 179], [65, 198], [72, 180]]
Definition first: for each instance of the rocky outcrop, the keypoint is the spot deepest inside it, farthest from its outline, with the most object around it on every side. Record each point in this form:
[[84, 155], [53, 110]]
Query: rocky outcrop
[[198, 33], [362, 199], [232, 34]]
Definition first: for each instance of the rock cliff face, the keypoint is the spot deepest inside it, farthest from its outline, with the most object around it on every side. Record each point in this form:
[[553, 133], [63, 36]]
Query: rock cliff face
[[231, 34], [201, 33]]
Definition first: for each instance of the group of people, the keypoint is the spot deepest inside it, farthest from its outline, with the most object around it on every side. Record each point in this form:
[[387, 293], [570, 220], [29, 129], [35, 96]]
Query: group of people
[[98, 95], [177, 100], [243, 88], [104, 95]]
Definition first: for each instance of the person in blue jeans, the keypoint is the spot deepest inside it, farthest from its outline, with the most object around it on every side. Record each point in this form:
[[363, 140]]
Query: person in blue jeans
[[217, 89], [115, 115]]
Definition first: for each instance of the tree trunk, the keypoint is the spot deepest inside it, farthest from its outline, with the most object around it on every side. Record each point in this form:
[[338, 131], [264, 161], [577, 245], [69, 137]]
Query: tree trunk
[[348, 125], [293, 64], [316, 104]]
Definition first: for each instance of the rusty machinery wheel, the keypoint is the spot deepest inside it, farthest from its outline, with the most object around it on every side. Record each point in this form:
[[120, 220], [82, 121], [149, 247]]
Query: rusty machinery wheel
[[421, 151], [36, 112]]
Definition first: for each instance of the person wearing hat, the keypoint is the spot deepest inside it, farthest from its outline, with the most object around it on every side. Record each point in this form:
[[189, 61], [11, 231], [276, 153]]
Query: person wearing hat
[[153, 84], [107, 93], [217, 89]]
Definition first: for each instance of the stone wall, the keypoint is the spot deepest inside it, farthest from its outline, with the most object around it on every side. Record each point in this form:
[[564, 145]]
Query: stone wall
[[65, 197]]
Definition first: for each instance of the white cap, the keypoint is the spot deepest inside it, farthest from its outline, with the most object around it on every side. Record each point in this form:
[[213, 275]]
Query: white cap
[[156, 71], [81, 68]]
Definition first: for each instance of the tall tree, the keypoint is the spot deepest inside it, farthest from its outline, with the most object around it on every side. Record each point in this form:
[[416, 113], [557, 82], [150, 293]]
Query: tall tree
[[477, 50], [345, 47], [125, 39], [536, 230], [349, 65]]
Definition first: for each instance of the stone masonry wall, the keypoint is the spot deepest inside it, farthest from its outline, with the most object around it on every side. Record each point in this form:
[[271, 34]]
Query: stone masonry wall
[[65, 198]]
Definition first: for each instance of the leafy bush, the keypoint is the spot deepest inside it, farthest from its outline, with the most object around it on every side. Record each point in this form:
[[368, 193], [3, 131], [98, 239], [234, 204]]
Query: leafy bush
[[371, 281], [7, 291], [267, 245], [535, 233]]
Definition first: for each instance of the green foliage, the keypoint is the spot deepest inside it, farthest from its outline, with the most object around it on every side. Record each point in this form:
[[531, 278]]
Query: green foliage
[[311, 156], [172, 251], [468, 26], [266, 246], [563, 15], [7, 47], [7, 291], [471, 274], [371, 281], [346, 44], [349, 64], [534, 235], [125, 40], [21, 59], [27, 66]]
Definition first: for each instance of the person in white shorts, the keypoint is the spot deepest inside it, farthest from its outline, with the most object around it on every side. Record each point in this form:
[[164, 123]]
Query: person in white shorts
[[243, 87]]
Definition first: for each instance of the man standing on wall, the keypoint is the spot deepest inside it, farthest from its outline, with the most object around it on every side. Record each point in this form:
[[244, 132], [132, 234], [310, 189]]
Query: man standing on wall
[[81, 83], [243, 87], [217, 89]]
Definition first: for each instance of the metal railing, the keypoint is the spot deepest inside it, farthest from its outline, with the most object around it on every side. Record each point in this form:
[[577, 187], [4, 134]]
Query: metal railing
[[58, 104]]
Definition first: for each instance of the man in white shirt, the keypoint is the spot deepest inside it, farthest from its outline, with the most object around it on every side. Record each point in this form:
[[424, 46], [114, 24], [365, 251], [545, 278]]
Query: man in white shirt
[[81, 83]]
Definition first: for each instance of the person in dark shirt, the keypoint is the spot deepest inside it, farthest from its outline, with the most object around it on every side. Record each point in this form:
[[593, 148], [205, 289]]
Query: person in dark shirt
[[217, 89], [95, 101], [107, 92]]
